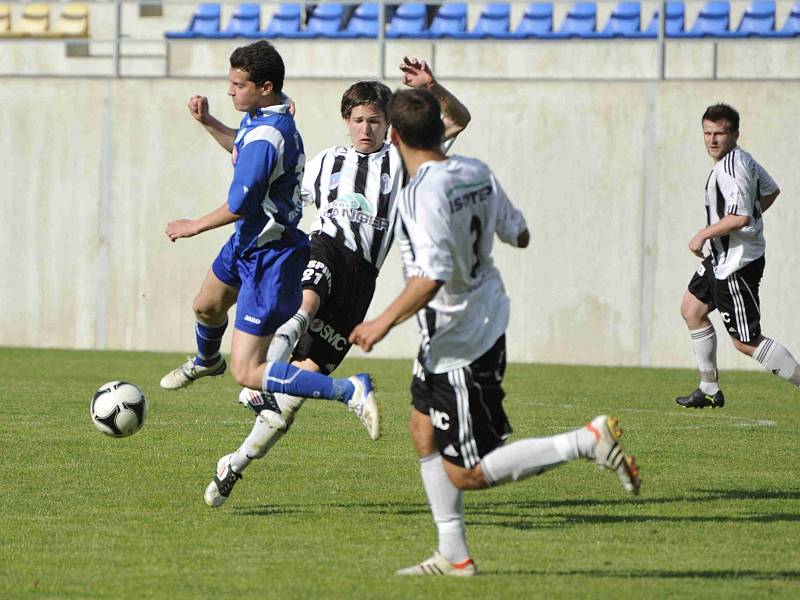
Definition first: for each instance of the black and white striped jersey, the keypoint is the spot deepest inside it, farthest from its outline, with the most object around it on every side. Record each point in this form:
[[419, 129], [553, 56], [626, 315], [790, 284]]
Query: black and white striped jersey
[[448, 216], [355, 196], [734, 187]]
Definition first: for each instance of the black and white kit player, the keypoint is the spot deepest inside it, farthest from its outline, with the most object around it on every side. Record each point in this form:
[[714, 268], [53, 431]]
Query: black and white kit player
[[448, 216], [354, 189], [738, 191]]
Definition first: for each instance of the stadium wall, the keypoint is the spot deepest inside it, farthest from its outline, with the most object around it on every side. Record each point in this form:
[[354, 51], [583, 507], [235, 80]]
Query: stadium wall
[[610, 175]]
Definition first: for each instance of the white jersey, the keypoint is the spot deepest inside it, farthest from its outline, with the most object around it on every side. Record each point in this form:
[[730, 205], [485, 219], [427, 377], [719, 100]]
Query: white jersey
[[448, 215], [355, 195], [734, 187]]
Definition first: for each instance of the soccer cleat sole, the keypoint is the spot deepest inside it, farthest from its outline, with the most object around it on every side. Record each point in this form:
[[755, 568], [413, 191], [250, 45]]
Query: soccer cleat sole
[[618, 459]]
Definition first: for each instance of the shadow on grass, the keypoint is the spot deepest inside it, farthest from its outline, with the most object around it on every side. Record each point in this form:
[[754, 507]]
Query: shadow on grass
[[538, 514], [658, 574], [560, 520]]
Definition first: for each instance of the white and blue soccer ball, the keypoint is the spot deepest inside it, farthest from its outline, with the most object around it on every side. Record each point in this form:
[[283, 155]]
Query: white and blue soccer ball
[[118, 408]]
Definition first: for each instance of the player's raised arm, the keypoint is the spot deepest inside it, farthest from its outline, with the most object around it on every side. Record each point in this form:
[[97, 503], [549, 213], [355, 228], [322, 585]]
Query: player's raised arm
[[456, 116], [198, 108]]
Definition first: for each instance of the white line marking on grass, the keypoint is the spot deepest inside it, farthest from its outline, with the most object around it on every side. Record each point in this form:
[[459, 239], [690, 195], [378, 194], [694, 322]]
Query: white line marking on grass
[[735, 421]]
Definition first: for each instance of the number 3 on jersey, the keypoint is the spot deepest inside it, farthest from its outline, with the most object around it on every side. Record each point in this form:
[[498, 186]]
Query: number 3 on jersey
[[476, 227]]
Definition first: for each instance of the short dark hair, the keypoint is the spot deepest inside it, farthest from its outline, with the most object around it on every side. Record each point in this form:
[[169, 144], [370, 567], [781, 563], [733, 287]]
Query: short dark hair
[[722, 112], [366, 92], [417, 118], [262, 63]]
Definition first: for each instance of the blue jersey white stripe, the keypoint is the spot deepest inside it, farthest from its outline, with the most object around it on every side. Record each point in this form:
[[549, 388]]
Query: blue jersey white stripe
[[268, 164]]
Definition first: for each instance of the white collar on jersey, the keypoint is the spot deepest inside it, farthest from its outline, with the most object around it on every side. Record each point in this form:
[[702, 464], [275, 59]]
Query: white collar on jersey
[[374, 154], [275, 109]]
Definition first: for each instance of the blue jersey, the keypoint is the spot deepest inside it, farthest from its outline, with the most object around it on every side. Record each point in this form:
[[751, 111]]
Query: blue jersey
[[268, 163]]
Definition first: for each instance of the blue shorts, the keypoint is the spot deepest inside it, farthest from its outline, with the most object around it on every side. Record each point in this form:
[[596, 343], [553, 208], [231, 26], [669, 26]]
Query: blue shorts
[[268, 280]]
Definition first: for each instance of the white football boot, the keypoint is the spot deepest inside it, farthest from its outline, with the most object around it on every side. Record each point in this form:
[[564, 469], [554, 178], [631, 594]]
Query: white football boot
[[609, 453], [364, 405], [220, 487], [439, 565], [185, 374]]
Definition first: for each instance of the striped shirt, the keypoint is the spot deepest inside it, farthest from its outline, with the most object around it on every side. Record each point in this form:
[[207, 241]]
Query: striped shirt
[[355, 196], [734, 187], [448, 215]]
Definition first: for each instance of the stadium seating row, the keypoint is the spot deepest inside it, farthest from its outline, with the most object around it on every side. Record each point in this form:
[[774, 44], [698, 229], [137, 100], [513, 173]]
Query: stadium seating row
[[330, 20], [73, 21]]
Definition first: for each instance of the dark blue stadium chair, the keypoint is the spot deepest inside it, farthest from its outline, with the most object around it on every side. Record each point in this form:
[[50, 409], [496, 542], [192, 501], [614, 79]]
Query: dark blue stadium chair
[[712, 21], [285, 22], [450, 19], [326, 21], [758, 18], [364, 22], [580, 21], [791, 27], [536, 22], [245, 21], [625, 21], [204, 23], [673, 26], [492, 23], [408, 21]]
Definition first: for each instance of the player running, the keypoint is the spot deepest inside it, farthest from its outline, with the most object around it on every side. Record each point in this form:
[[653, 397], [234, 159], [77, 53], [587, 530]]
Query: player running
[[260, 267], [448, 215], [738, 192]]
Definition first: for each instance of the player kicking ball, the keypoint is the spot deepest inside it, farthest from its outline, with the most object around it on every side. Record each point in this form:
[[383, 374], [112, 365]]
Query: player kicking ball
[[260, 267], [448, 215]]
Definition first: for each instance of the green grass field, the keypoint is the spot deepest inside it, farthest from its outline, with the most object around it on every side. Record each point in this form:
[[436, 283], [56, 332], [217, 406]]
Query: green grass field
[[329, 514]]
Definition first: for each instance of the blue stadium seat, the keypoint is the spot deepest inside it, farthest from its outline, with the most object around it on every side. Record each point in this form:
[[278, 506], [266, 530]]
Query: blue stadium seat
[[326, 21], [791, 27], [285, 22], [451, 19], [493, 22], [673, 26], [364, 22], [204, 23], [713, 21], [536, 22], [408, 21], [580, 21], [625, 21], [246, 21], [758, 18]]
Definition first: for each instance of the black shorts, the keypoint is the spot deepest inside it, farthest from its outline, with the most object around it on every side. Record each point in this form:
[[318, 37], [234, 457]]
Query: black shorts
[[465, 406], [736, 297], [345, 283]]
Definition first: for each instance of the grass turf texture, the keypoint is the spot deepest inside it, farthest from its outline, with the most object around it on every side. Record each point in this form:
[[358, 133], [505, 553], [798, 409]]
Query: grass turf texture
[[329, 514]]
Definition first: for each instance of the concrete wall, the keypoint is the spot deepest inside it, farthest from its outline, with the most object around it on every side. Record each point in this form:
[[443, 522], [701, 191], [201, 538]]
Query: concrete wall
[[609, 174]]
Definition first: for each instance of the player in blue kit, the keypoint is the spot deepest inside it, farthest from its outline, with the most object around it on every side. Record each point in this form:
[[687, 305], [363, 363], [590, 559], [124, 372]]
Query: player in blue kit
[[260, 267]]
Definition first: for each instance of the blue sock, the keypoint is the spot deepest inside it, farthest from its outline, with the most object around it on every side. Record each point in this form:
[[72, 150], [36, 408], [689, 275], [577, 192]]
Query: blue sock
[[209, 340], [288, 379]]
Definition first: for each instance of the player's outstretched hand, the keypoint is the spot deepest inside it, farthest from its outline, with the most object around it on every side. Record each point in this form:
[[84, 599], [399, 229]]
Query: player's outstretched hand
[[416, 73], [182, 228], [368, 333], [198, 107]]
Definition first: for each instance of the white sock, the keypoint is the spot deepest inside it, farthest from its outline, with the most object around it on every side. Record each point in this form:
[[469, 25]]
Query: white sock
[[704, 344], [256, 445], [285, 338], [447, 505], [533, 456], [778, 360]]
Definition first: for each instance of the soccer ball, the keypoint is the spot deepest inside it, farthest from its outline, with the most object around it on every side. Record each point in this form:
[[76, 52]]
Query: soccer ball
[[118, 408]]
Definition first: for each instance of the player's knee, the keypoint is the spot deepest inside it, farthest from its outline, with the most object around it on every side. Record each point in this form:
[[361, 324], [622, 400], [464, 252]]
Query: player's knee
[[466, 479], [746, 349], [244, 375]]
